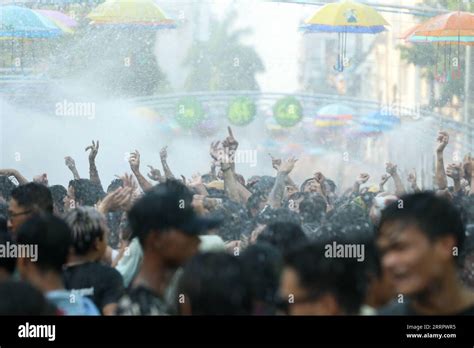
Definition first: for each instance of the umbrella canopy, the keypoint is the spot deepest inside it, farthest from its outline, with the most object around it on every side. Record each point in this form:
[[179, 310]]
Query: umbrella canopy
[[378, 121], [453, 28], [443, 40], [334, 115], [374, 124], [346, 17], [407, 33], [450, 24], [21, 22], [450, 28], [140, 13], [61, 20]]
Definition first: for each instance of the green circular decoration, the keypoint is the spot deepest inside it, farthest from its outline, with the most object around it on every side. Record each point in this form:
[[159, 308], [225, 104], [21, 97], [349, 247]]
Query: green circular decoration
[[190, 113], [242, 111], [287, 111]]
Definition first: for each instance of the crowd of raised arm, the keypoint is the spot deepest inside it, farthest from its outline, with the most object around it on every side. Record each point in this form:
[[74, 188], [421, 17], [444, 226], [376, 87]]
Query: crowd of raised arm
[[151, 243]]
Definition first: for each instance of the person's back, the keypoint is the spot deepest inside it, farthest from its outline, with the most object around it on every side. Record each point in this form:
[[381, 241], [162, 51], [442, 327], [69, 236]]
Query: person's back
[[99, 282], [168, 233], [51, 239], [85, 274], [21, 298], [214, 283]]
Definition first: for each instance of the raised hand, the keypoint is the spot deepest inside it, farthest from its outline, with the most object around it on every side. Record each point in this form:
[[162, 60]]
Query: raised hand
[[216, 151], [69, 161], [41, 179], [454, 171], [230, 142], [362, 178], [276, 162], [196, 179], [134, 161], [287, 166], [443, 140], [7, 172], [128, 181], [94, 148], [384, 179], [319, 177], [118, 200], [164, 153], [412, 177], [155, 174], [391, 168]]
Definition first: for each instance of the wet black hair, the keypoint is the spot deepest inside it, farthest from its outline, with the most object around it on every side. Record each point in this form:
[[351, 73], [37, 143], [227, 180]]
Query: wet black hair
[[269, 215], [3, 210], [263, 264], [215, 283], [264, 185], [157, 209], [53, 238], [344, 278], [255, 200], [331, 184], [434, 216], [21, 298], [284, 236], [312, 208], [33, 196], [360, 232], [114, 185], [303, 185], [87, 192], [6, 187], [6, 263], [58, 192], [233, 215], [348, 213]]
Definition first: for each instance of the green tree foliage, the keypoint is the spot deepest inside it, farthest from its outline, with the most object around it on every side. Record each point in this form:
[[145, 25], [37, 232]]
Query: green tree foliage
[[223, 62]]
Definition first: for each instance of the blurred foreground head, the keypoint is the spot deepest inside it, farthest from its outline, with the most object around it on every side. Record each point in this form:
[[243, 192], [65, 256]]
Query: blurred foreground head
[[166, 224], [315, 283], [25, 201], [214, 284], [21, 298], [420, 238], [51, 239], [89, 232]]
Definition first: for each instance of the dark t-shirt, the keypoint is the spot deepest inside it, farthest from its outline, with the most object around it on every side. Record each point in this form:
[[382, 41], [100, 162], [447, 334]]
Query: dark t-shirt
[[141, 301], [101, 283], [395, 308]]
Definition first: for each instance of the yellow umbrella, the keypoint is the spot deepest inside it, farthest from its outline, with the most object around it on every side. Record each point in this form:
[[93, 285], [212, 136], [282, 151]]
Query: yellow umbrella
[[126, 12], [345, 17]]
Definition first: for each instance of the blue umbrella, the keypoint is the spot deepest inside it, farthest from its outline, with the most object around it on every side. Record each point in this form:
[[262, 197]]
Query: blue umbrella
[[381, 120], [377, 122], [21, 22]]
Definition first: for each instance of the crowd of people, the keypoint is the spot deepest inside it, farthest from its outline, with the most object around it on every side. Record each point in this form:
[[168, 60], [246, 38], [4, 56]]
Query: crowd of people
[[222, 244]]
